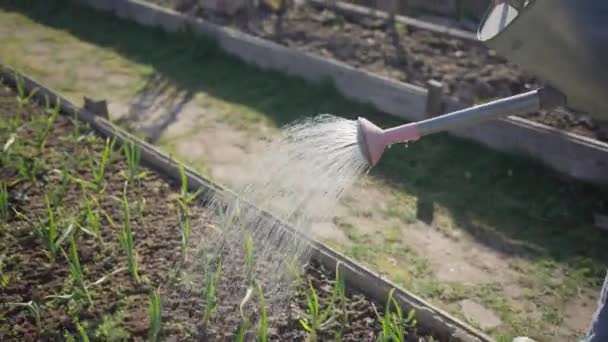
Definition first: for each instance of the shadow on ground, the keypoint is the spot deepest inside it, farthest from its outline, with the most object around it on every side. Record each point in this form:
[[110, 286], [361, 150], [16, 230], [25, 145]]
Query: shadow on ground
[[506, 202]]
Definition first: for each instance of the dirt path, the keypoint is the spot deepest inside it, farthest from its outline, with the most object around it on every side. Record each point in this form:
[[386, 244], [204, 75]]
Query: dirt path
[[495, 240]]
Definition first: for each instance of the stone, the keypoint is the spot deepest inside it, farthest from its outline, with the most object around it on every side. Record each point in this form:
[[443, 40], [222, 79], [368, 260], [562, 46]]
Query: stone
[[480, 315], [523, 339]]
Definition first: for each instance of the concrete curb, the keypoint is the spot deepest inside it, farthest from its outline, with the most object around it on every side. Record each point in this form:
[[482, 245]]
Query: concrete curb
[[579, 157], [357, 277]]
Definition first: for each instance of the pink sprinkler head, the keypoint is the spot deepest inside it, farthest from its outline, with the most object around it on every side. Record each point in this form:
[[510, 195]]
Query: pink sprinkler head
[[373, 139]]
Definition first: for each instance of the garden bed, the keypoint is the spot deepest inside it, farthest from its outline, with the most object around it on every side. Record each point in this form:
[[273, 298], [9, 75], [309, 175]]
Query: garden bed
[[61, 189], [469, 71]]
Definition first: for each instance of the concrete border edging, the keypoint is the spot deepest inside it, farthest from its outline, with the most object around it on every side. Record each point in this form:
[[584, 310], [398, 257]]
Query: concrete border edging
[[356, 276], [576, 156]]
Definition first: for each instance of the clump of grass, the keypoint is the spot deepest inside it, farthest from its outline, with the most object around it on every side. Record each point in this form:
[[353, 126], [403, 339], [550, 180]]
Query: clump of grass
[[126, 237], [48, 230], [392, 323], [262, 329], [4, 209], [211, 282], [81, 291], [34, 311], [98, 167], [4, 278], [43, 133], [315, 319], [155, 316]]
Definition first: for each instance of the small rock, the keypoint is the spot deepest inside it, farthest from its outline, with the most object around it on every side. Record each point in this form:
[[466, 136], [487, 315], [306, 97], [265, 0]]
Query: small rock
[[477, 313], [458, 54]]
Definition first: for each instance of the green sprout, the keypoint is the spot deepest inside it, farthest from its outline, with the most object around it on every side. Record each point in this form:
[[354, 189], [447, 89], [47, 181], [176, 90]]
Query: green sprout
[[4, 209], [92, 217], [183, 216], [244, 322], [392, 323], [23, 99], [315, 318], [262, 329], [98, 167], [80, 288], [133, 156], [212, 281], [249, 256], [126, 237], [48, 230], [42, 135], [339, 295], [34, 311], [155, 316], [82, 333], [184, 195]]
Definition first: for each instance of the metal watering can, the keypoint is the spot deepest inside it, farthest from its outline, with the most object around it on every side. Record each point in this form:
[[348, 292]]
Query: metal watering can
[[562, 42]]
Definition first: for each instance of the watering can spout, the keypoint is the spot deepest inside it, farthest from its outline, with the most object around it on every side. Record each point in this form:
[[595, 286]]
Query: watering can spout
[[562, 42]]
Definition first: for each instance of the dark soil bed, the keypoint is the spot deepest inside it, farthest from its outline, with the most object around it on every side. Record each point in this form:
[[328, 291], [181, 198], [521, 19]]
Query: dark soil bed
[[61, 172], [469, 71]]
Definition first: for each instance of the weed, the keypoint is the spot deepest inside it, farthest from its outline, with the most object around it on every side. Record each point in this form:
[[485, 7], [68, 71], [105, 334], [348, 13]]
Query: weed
[[126, 237], [98, 167], [3, 203], [80, 288], [262, 329], [315, 318], [392, 323], [212, 281], [34, 311], [47, 229], [111, 328], [155, 316], [42, 134], [133, 156]]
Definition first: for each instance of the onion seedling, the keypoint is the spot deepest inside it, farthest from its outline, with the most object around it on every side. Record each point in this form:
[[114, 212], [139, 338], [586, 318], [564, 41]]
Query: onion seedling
[[126, 237], [392, 323], [212, 281], [47, 229], [244, 323], [42, 134], [92, 217], [22, 99], [339, 295], [80, 288], [183, 216], [3, 203], [34, 311], [133, 156], [249, 257], [315, 318], [262, 330], [98, 167], [82, 333], [155, 316]]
